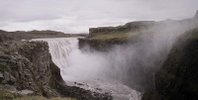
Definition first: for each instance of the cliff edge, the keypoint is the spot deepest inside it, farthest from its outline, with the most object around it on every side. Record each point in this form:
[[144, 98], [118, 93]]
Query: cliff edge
[[26, 69]]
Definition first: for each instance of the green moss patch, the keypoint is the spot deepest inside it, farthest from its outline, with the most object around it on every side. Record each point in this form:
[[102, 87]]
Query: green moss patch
[[6, 95]]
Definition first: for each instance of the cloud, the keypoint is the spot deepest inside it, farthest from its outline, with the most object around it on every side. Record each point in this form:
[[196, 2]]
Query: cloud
[[79, 15]]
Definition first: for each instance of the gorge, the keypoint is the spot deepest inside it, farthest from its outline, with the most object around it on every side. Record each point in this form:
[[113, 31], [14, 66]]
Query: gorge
[[145, 60], [89, 70]]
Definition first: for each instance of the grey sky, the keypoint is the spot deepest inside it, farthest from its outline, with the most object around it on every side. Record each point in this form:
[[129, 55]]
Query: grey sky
[[79, 15]]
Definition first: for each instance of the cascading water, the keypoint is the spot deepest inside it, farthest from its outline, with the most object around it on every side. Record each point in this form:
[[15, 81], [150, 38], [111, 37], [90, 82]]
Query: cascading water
[[93, 69], [129, 65], [125, 66]]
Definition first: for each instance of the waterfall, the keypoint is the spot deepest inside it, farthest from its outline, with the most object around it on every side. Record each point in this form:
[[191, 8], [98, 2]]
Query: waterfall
[[60, 49], [95, 69], [117, 71]]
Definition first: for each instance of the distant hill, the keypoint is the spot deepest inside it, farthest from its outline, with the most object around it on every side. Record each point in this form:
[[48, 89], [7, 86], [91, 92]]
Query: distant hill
[[18, 35]]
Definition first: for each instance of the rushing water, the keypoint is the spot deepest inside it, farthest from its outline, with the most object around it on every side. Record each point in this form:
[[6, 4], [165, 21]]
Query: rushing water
[[88, 68], [124, 66]]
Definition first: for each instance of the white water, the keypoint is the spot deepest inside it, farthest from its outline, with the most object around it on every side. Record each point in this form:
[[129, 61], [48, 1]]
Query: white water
[[91, 69], [132, 64]]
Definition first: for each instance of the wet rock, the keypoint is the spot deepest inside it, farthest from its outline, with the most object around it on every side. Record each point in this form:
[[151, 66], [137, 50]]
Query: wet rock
[[99, 45]]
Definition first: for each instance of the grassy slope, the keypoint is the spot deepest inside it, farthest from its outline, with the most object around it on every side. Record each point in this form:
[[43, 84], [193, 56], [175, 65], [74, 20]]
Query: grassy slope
[[6, 95], [114, 36]]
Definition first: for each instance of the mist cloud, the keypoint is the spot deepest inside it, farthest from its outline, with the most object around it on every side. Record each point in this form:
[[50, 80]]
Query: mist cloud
[[79, 15]]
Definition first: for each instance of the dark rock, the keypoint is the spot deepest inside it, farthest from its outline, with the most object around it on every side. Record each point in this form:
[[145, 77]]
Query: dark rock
[[177, 79], [1, 77], [98, 44], [8, 78], [151, 95], [28, 66], [81, 94]]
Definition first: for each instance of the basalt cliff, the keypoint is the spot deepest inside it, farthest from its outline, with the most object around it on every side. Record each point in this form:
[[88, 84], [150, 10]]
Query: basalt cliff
[[27, 70]]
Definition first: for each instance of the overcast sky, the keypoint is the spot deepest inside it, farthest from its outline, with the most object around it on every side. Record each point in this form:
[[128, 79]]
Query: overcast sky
[[78, 15]]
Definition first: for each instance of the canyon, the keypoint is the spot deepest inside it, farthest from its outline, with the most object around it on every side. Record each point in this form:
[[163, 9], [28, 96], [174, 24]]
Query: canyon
[[145, 60]]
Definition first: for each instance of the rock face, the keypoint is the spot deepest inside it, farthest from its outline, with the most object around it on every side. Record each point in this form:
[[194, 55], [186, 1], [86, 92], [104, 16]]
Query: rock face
[[103, 38], [28, 65], [100, 45], [27, 68], [177, 79]]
